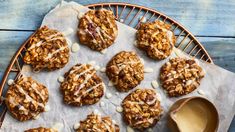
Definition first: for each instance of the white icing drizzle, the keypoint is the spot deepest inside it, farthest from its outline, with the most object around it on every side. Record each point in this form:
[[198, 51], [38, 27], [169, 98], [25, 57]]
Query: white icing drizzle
[[28, 98], [94, 39], [98, 30], [99, 33], [109, 126], [158, 51], [58, 50], [50, 38], [84, 82], [21, 107], [141, 102], [34, 85], [82, 73], [124, 64], [76, 68], [88, 90]]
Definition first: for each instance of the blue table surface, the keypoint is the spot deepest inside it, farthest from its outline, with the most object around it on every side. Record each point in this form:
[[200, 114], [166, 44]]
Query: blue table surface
[[211, 21]]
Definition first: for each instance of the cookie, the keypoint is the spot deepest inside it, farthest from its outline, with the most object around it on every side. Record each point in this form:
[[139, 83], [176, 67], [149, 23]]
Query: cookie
[[141, 109], [82, 86], [156, 39], [47, 49], [96, 123], [180, 76], [97, 29], [26, 98], [125, 70], [41, 129]]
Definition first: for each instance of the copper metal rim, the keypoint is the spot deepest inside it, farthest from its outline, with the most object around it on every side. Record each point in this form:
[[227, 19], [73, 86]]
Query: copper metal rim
[[128, 14]]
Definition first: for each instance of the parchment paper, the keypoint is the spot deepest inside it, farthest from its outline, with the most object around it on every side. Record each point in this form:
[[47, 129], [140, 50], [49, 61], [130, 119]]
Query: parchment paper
[[218, 84]]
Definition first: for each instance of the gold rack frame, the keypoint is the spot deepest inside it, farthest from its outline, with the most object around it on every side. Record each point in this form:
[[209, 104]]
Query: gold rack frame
[[131, 15]]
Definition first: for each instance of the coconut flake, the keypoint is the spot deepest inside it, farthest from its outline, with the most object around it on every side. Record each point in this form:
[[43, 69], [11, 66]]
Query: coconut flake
[[121, 20]]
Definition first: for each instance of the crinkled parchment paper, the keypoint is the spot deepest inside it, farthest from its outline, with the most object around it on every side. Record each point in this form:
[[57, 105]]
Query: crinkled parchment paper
[[218, 84]]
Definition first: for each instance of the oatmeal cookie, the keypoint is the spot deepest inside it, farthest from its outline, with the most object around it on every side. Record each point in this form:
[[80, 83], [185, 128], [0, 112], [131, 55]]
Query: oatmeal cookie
[[125, 70], [82, 86], [47, 49], [41, 129], [96, 123], [180, 76], [141, 109], [156, 39], [26, 98], [97, 29]]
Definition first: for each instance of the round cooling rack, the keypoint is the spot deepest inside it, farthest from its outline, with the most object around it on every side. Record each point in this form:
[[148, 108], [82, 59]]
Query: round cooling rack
[[131, 15]]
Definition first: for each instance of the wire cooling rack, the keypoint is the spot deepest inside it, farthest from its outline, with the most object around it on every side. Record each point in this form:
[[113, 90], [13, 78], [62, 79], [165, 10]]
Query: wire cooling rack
[[131, 15]]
